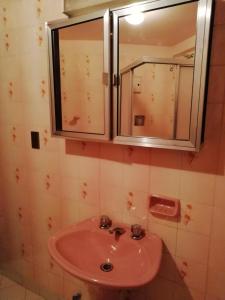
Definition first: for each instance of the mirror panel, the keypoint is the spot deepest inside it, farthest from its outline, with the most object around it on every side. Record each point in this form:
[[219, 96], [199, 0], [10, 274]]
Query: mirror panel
[[82, 90], [156, 67], [149, 58], [80, 75]]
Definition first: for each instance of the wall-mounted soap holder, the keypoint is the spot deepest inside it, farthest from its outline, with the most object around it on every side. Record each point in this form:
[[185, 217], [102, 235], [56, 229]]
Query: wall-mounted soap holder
[[164, 206]]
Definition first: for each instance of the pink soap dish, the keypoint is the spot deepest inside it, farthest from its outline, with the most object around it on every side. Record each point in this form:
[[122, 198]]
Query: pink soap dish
[[164, 206]]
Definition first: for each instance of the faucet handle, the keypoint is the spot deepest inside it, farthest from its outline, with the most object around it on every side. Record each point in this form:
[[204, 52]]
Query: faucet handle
[[137, 232], [105, 222]]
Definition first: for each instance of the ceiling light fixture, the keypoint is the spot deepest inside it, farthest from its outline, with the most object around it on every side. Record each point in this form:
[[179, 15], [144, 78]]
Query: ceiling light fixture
[[135, 18]]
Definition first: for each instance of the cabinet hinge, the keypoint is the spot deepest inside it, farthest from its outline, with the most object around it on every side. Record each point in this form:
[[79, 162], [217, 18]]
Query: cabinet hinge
[[105, 78], [116, 79]]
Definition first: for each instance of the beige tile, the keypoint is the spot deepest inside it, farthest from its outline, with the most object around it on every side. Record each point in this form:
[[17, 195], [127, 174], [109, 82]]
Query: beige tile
[[54, 12], [220, 192], [33, 111], [196, 218], [167, 234], [218, 224], [197, 187], [111, 173], [11, 67], [55, 284], [166, 221], [14, 117], [33, 45], [10, 12], [217, 257], [44, 205], [70, 187], [215, 284], [192, 246], [89, 192], [10, 43], [40, 161], [34, 85], [164, 181], [89, 168], [87, 211], [69, 166], [112, 202], [45, 182], [135, 203], [136, 176], [193, 274], [130, 218], [27, 274]]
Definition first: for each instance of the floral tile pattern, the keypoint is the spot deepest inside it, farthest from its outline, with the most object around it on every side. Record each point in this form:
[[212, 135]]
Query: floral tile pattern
[[67, 181]]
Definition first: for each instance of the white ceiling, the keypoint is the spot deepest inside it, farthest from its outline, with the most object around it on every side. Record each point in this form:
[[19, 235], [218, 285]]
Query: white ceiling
[[163, 27]]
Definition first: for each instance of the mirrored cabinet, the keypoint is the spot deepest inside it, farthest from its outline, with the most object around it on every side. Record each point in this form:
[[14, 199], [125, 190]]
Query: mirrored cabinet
[[134, 75], [80, 65]]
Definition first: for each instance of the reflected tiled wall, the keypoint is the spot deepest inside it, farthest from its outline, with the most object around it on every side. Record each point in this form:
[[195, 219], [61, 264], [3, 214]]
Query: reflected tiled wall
[[64, 182]]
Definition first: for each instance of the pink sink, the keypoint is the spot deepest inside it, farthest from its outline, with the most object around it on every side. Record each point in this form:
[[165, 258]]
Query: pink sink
[[82, 248]]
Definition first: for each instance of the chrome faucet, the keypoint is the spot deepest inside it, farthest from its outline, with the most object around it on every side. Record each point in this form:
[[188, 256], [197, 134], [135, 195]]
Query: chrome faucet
[[105, 222], [137, 232], [118, 232]]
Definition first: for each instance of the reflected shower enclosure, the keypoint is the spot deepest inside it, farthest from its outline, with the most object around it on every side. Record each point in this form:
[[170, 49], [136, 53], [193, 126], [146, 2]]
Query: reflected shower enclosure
[[156, 68]]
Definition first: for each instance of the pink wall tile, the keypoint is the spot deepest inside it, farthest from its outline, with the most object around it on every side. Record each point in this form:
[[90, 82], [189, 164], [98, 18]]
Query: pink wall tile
[[197, 187], [194, 216], [216, 90], [165, 181], [218, 45], [219, 12], [67, 181], [216, 283], [168, 235], [193, 246], [193, 274]]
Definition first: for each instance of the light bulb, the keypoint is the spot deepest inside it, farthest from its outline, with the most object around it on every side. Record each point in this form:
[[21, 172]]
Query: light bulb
[[135, 18]]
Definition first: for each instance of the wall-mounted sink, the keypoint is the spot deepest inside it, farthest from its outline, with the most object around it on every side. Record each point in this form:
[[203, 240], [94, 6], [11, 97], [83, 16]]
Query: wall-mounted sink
[[94, 255]]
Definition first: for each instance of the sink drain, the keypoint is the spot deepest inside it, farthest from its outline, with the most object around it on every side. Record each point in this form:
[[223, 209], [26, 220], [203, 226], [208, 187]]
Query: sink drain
[[106, 267]]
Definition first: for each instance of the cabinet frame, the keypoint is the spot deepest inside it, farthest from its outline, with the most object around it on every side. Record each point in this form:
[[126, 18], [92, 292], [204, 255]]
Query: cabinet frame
[[54, 68]]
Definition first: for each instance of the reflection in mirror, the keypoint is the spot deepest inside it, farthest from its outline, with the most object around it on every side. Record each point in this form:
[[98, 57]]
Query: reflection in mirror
[[156, 63], [81, 69]]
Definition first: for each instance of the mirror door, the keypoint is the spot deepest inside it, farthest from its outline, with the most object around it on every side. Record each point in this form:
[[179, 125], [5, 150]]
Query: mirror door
[[81, 80], [159, 64]]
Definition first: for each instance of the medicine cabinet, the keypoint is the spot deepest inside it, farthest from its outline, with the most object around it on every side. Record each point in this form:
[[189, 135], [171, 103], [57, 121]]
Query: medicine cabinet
[[80, 85], [134, 75]]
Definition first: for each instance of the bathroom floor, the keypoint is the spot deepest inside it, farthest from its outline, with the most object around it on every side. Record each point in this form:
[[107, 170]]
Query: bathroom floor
[[10, 290]]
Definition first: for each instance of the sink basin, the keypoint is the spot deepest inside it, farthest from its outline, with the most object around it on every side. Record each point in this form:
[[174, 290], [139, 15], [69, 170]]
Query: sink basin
[[83, 248]]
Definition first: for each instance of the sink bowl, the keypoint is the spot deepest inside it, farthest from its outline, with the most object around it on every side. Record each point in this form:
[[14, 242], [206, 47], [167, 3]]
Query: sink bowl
[[94, 255]]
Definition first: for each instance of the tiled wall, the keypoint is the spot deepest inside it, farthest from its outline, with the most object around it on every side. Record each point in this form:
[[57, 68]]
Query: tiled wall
[[64, 182]]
